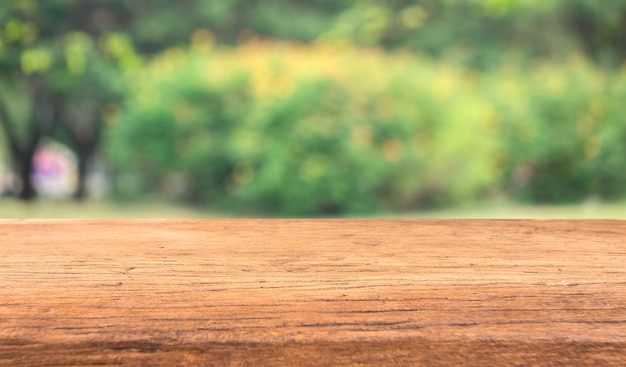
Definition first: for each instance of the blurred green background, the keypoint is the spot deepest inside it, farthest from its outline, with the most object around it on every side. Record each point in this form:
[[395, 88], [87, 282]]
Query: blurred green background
[[288, 108]]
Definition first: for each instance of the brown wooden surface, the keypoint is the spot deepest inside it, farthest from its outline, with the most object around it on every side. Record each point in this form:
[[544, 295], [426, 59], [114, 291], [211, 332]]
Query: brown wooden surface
[[313, 293]]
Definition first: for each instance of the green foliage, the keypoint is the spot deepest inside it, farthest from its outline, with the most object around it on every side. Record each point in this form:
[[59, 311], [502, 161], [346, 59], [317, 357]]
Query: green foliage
[[180, 126], [300, 131], [66, 65], [295, 130], [326, 129], [483, 33], [563, 131]]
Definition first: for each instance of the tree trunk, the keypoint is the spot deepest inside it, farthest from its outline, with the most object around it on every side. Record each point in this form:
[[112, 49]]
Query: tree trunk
[[83, 153], [25, 168], [85, 138], [22, 154]]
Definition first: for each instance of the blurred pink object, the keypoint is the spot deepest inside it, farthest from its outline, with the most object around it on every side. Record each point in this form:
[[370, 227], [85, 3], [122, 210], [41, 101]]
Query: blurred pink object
[[54, 170]]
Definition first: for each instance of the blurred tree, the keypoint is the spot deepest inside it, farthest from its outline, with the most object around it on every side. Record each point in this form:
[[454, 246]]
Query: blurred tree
[[483, 32], [599, 25], [23, 59], [23, 130], [158, 22], [63, 61]]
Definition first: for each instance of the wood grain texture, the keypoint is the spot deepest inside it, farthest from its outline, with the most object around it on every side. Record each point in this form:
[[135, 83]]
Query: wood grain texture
[[312, 293]]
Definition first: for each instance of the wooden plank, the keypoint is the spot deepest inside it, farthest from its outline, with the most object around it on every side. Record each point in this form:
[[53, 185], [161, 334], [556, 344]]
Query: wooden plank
[[312, 292]]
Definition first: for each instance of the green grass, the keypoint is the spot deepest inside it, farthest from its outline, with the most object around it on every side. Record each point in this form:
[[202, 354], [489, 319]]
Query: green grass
[[11, 208], [508, 210]]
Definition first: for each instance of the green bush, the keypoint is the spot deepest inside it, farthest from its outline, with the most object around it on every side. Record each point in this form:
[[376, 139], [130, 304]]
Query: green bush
[[294, 130], [563, 131]]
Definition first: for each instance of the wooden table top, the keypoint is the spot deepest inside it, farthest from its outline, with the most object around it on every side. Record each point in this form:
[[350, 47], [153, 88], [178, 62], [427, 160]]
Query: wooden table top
[[312, 292]]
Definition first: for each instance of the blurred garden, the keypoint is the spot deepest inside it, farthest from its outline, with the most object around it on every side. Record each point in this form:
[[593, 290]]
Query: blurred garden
[[314, 108]]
